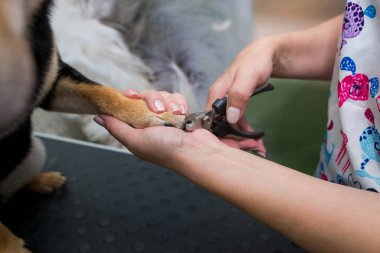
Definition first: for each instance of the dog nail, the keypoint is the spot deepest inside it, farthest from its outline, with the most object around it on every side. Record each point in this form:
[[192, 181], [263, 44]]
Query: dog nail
[[159, 105], [233, 115], [99, 120]]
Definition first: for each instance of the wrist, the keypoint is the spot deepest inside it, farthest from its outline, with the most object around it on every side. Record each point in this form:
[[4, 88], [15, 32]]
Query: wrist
[[275, 48], [279, 52], [195, 155]]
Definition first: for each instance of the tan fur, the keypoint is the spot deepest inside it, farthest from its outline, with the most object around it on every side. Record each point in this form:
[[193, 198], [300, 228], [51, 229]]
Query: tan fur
[[98, 99], [10, 243], [46, 182]]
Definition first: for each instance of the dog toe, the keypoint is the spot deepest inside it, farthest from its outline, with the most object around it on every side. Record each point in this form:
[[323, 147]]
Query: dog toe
[[46, 182]]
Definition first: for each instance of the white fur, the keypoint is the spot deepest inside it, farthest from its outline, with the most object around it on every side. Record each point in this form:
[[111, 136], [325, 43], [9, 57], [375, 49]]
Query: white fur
[[222, 26], [98, 52]]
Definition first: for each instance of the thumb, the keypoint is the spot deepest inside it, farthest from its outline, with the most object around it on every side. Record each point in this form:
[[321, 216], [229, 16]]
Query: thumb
[[118, 129], [219, 89], [239, 95]]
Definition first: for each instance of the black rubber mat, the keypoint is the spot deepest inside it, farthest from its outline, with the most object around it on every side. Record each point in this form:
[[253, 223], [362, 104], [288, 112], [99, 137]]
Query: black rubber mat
[[114, 203]]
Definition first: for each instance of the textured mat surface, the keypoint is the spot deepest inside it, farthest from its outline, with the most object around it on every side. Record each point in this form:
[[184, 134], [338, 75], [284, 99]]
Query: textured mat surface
[[114, 203]]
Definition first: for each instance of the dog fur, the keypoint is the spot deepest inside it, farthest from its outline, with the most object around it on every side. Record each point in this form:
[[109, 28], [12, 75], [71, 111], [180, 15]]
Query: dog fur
[[33, 75], [177, 46]]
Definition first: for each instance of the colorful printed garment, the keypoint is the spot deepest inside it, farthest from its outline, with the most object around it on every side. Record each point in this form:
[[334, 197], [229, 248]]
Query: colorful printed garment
[[350, 154]]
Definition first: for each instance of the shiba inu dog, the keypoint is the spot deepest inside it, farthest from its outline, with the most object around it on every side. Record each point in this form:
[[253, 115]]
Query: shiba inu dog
[[32, 75]]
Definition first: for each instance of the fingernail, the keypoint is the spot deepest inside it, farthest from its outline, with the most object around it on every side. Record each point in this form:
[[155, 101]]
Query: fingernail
[[99, 120], [183, 109], [159, 105], [233, 115], [262, 154], [133, 94], [175, 108]]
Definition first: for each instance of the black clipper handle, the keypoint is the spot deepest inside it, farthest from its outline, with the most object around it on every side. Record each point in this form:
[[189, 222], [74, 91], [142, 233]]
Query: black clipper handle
[[220, 105], [222, 128]]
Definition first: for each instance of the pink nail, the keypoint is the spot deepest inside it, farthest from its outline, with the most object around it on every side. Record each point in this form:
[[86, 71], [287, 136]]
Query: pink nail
[[159, 106], [183, 109], [233, 115], [99, 120], [175, 108]]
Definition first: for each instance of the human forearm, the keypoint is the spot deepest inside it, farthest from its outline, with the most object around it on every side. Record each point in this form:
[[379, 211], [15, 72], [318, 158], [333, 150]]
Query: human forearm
[[307, 54], [318, 215]]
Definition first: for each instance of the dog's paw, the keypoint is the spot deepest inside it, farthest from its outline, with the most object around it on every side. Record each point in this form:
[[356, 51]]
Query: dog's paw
[[46, 182], [136, 113], [163, 119], [10, 243]]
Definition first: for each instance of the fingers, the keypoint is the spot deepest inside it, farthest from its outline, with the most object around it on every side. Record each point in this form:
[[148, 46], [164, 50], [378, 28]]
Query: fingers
[[246, 144], [257, 145], [161, 101], [244, 125], [132, 94], [121, 131], [175, 103], [238, 87], [220, 88], [239, 95], [251, 69]]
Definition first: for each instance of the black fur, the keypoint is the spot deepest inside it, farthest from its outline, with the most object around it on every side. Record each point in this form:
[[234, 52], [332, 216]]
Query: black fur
[[69, 72], [65, 71], [41, 40], [14, 148]]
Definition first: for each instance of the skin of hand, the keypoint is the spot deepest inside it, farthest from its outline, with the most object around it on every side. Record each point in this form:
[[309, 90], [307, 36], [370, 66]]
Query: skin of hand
[[305, 54], [161, 101], [145, 143]]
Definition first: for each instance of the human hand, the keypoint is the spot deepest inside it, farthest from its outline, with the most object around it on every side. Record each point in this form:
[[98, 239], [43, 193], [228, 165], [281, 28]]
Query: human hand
[[249, 71], [160, 101], [160, 145]]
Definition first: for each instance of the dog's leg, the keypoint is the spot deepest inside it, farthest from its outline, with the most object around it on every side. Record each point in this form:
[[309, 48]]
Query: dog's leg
[[10, 243], [28, 174], [73, 93]]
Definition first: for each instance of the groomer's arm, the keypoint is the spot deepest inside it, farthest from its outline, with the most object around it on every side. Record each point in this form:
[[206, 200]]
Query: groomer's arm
[[307, 54], [318, 215]]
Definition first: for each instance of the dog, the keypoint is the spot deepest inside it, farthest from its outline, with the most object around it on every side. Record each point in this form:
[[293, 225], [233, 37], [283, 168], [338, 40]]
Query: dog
[[32, 74], [175, 46]]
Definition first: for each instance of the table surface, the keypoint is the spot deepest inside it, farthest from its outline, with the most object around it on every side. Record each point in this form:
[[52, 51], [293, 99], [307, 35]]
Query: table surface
[[114, 202]]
